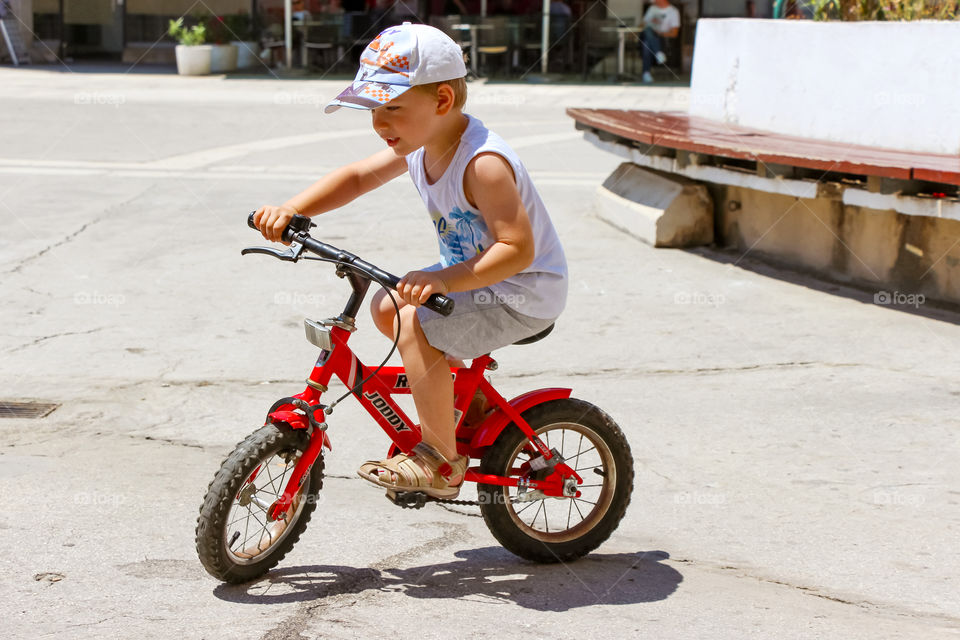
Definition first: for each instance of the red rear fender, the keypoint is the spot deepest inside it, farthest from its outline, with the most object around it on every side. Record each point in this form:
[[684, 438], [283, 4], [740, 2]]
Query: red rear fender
[[495, 423]]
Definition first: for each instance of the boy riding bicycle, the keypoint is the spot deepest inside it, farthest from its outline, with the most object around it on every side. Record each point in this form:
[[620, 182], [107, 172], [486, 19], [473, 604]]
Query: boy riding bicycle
[[501, 259]]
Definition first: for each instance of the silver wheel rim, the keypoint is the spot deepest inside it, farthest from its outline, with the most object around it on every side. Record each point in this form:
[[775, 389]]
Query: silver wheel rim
[[555, 520], [248, 535]]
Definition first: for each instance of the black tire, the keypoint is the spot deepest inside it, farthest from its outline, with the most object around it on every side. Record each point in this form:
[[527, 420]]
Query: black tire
[[230, 492], [612, 461]]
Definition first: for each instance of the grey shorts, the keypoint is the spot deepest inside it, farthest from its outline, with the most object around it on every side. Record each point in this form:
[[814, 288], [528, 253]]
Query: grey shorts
[[479, 324]]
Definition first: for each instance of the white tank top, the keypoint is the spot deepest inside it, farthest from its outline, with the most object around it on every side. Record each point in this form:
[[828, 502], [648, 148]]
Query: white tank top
[[540, 290]]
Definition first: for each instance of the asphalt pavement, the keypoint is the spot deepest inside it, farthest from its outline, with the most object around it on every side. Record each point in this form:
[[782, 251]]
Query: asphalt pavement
[[796, 443]]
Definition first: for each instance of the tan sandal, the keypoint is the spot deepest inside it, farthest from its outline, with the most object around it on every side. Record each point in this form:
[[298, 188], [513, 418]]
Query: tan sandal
[[424, 470]]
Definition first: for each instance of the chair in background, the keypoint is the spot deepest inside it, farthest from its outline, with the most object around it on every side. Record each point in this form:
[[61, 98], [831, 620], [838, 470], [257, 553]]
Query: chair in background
[[599, 39], [359, 30], [325, 39], [273, 45], [527, 45], [493, 39]]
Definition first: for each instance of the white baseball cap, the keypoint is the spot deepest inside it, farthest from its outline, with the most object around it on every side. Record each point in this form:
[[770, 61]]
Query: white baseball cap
[[399, 58]]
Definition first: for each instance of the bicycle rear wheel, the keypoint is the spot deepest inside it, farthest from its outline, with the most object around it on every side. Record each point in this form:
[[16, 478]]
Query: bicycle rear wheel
[[236, 542], [546, 529]]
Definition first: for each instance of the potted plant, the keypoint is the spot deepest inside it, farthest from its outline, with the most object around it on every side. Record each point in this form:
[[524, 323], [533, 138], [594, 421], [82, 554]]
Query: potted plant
[[224, 56], [240, 27], [193, 57]]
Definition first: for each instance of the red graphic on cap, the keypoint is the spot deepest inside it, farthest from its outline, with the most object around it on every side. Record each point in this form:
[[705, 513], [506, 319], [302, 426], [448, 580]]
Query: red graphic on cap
[[387, 61]]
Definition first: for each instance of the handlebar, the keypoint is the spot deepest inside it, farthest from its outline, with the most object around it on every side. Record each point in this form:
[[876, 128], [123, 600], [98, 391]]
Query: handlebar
[[298, 231]]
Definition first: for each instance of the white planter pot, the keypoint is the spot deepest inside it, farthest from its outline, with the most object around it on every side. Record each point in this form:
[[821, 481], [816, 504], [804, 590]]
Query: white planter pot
[[247, 53], [194, 61], [224, 58]]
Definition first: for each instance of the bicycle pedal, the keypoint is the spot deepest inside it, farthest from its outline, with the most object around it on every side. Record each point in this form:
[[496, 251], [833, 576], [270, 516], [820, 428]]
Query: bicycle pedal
[[408, 499]]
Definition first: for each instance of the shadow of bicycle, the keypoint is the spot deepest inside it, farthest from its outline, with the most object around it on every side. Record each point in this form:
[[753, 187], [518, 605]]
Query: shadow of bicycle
[[489, 573]]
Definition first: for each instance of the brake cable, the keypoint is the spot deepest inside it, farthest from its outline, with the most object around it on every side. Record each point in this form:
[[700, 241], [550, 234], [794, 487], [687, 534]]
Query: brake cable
[[396, 307]]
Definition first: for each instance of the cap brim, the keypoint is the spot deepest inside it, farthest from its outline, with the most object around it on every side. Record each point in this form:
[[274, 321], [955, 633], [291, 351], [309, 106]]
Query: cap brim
[[363, 94]]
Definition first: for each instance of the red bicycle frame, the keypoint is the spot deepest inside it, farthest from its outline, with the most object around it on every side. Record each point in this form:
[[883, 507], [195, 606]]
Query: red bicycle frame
[[375, 395]]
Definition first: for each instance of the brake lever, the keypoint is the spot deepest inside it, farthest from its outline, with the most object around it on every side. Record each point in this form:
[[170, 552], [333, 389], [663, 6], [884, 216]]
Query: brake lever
[[292, 254]]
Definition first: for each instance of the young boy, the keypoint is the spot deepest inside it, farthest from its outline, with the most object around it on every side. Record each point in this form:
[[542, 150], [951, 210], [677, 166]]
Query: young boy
[[501, 259]]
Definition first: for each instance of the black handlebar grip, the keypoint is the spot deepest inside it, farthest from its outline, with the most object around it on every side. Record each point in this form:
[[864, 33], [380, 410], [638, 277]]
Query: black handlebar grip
[[250, 222], [441, 304]]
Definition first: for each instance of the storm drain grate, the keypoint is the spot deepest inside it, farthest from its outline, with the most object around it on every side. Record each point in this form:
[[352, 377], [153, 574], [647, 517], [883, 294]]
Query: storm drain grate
[[14, 409]]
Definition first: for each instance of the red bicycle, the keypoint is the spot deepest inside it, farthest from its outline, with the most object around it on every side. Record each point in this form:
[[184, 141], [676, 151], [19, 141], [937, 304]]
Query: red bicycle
[[555, 473]]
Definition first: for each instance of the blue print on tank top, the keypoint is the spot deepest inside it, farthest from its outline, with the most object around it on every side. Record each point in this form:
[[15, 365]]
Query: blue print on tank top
[[461, 235]]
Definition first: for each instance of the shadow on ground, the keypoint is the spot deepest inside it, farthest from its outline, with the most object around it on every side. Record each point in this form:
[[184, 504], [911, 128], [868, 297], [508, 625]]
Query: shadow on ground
[[878, 294], [490, 573]]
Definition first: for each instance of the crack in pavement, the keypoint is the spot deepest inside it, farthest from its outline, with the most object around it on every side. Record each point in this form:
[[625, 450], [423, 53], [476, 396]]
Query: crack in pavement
[[50, 337], [121, 206], [694, 371], [817, 592], [46, 249], [358, 581]]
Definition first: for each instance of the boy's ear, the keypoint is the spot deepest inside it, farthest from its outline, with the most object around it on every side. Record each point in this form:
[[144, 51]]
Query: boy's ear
[[445, 99]]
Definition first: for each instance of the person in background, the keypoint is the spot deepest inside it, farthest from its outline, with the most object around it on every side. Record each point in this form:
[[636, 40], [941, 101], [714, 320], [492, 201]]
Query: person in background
[[662, 20]]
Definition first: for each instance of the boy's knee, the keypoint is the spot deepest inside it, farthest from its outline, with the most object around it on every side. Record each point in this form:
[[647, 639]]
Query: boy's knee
[[382, 311], [385, 316]]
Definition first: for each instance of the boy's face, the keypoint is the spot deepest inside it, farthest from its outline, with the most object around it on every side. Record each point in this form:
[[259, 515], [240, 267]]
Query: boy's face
[[406, 122]]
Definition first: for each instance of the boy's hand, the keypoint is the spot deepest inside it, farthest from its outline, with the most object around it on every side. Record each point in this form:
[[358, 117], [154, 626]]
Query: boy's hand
[[417, 286], [271, 221]]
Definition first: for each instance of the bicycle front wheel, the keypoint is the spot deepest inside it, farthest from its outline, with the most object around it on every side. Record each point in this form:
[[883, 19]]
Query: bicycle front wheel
[[547, 529], [236, 541]]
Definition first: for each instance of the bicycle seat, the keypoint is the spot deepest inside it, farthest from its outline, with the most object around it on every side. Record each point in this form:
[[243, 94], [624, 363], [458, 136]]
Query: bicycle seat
[[537, 336]]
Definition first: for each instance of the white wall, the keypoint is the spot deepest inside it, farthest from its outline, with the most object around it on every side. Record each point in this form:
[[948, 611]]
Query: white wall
[[883, 84]]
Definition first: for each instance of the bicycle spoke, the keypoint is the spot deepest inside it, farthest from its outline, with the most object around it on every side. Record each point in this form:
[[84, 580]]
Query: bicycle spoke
[[587, 501], [270, 477], [546, 524], [529, 504], [534, 521], [261, 523], [578, 509], [246, 528], [580, 453], [569, 513], [235, 521], [283, 478]]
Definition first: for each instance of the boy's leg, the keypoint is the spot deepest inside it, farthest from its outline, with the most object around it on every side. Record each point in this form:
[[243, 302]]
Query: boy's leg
[[430, 383], [428, 374]]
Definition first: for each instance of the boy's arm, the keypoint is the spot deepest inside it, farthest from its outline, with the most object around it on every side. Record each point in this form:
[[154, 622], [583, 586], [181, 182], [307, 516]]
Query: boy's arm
[[489, 183], [331, 191]]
